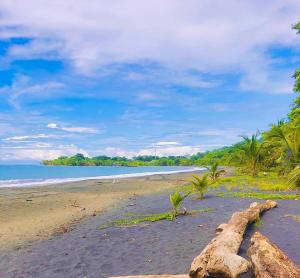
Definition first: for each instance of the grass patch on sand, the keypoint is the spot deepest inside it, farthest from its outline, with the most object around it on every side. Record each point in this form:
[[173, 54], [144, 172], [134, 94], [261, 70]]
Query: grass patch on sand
[[259, 195], [263, 181], [295, 217], [134, 219]]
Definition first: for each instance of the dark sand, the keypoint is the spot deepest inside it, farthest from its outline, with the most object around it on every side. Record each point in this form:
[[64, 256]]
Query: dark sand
[[154, 248]]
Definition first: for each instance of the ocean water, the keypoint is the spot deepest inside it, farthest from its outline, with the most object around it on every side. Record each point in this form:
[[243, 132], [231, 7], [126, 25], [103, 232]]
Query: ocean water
[[38, 175]]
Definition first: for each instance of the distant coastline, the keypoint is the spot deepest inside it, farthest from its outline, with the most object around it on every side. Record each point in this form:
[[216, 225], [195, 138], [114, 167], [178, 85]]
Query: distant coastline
[[147, 160], [225, 156]]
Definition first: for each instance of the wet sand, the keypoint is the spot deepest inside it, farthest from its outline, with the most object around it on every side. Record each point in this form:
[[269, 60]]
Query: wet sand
[[34, 213], [153, 248]]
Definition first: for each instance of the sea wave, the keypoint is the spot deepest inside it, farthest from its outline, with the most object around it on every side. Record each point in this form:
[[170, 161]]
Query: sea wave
[[43, 182]]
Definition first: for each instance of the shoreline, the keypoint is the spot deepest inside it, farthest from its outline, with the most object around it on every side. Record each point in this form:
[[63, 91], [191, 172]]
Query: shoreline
[[17, 183], [30, 214]]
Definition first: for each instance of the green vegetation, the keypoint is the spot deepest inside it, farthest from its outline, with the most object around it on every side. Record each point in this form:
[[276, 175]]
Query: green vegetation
[[258, 222], [147, 160], [252, 153], [134, 219], [259, 195], [139, 218], [176, 200], [295, 217], [294, 176], [263, 181], [200, 185], [214, 172]]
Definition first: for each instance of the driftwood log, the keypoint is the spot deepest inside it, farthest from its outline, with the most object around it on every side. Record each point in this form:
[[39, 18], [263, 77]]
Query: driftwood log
[[154, 276], [219, 258], [269, 261]]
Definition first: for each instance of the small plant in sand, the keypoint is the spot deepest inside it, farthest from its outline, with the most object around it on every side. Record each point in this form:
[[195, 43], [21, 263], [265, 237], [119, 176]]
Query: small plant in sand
[[214, 172], [200, 185], [176, 200]]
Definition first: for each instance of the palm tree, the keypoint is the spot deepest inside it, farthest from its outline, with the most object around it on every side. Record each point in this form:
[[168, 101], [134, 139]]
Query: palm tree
[[251, 152], [200, 184], [294, 176], [214, 173], [176, 200], [288, 136]]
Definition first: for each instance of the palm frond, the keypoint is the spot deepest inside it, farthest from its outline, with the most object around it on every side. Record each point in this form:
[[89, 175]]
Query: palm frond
[[294, 176], [176, 200]]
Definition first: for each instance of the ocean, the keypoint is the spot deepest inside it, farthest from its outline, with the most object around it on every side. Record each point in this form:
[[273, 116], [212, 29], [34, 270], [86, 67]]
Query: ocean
[[38, 175]]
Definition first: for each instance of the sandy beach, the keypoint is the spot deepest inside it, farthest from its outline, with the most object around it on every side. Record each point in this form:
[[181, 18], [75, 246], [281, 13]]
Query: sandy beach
[[149, 248], [35, 213], [38, 240]]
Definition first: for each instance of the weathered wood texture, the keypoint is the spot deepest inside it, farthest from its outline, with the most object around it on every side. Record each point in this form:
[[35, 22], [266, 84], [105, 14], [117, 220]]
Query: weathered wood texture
[[154, 276], [219, 258], [269, 261]]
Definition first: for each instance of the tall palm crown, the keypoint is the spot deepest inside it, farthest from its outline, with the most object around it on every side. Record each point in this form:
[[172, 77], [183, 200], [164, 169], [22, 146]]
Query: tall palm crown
[[289, 137]]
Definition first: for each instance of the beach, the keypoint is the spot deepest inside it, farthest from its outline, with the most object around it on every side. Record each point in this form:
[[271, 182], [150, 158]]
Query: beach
[[28, 214], [43, 248]]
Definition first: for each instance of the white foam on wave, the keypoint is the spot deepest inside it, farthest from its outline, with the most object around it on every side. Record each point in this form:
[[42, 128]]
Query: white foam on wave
[[32, 183]]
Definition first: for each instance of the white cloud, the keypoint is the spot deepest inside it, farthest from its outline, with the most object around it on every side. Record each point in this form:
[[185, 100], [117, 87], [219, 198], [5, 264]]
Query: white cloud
[[28, 137], [52, 125], [227, 133], [161, 151], [207, 35], [268, 81], [80, 129], [171, 150], [39, 152], [115, 151], [77, 129], [164, 76], [24, 86], [166, 143]]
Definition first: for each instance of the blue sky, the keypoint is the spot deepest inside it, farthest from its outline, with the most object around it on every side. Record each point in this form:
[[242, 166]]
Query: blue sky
[[141, 77]]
